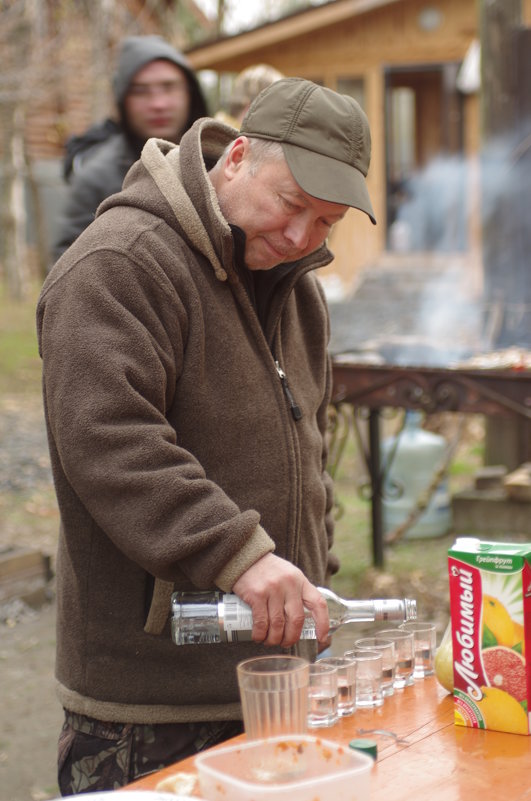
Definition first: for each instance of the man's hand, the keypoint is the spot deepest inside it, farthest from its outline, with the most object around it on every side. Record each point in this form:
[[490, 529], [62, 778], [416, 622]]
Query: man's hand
[[278, 592]]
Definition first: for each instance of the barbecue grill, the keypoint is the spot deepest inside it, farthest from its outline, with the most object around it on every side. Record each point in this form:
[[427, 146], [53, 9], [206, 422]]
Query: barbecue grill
[[386, 352]]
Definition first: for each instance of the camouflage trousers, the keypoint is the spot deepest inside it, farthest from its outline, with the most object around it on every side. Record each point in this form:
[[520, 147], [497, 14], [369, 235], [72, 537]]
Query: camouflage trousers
[[94, 755]]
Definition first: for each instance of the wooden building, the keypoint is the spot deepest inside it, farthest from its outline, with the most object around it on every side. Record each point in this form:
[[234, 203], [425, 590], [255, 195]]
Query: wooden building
[[414, 66]]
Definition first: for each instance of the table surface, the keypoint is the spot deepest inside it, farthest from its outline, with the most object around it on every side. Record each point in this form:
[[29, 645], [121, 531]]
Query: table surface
[[440, 761]]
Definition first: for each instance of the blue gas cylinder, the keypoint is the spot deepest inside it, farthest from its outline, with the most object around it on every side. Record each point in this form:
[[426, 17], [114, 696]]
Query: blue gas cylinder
[[417, 456]]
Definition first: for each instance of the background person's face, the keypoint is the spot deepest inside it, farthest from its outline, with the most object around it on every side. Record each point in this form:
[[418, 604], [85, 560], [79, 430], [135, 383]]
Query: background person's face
[[157, 102], [282, 223]]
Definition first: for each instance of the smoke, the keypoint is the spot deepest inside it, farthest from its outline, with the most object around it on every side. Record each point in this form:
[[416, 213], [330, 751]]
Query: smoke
[[432, 212], [440, 211], [460, 282]]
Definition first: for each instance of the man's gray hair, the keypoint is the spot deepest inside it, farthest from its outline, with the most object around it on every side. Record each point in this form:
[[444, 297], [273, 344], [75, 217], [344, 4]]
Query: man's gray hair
[[260, 151]]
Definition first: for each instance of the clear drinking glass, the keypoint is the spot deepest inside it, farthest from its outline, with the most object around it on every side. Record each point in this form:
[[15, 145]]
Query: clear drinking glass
[[346, 683], [425, 637], [274, 695], [405, 655], [368, 676], [322, 695], [387, 647]]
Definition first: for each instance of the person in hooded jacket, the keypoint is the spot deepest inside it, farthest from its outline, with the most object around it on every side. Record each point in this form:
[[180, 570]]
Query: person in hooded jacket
[[157, 94], [186, 384]]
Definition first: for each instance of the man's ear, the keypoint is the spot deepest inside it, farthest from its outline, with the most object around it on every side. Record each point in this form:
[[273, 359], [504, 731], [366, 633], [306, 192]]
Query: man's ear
[[236, 156]]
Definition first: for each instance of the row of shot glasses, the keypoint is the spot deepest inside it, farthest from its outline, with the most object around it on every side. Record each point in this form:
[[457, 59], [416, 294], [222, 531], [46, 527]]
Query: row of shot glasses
[[370, 671]]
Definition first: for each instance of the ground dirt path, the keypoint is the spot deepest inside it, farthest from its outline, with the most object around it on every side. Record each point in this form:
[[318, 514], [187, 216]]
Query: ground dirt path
[[30, 715]]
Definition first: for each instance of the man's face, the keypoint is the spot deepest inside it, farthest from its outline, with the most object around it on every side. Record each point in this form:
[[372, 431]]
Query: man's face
[[157, 102], [281, 221]]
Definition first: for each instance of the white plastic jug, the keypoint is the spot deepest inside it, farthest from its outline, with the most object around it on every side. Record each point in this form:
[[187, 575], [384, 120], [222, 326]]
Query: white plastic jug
[[418, 455]]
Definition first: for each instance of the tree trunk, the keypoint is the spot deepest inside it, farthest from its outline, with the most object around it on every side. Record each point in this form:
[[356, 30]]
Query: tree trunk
[[14, 250], [506, 198], [40, 237], [499, 21], [16, 253], [499, 24]]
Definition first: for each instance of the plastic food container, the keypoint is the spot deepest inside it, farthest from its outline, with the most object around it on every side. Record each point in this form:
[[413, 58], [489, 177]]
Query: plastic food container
[[289, 768]]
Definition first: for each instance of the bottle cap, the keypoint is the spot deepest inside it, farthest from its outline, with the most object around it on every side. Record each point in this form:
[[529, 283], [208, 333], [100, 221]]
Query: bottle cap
[[368, 747]]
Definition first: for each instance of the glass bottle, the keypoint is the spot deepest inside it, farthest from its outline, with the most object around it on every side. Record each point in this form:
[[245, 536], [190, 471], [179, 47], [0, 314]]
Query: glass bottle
[[214, 616]]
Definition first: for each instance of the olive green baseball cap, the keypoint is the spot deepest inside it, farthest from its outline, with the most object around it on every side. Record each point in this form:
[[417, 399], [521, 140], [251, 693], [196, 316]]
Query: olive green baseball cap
[[325, 137]]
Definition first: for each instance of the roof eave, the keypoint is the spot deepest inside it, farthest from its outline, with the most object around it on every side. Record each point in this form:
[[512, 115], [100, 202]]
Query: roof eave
[[212, 54]]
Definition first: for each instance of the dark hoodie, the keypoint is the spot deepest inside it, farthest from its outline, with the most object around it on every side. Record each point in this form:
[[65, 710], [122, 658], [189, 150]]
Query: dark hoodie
[[96, 162]]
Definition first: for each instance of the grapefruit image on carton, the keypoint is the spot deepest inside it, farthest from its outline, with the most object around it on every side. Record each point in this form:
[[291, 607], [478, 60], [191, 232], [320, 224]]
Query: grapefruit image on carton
[[505, 670]]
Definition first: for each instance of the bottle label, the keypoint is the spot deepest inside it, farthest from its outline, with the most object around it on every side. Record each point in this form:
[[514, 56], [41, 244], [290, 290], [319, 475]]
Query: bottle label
[[237, 618]]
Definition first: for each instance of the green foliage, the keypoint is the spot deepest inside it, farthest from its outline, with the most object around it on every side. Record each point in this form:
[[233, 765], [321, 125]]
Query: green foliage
[[20, 366], [28, 514], [488, 638]]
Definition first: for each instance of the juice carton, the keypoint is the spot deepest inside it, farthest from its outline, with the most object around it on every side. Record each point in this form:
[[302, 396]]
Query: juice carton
[[490, 606]]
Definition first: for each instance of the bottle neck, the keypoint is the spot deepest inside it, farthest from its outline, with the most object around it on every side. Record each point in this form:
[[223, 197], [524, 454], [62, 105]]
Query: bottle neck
[[381, 609]]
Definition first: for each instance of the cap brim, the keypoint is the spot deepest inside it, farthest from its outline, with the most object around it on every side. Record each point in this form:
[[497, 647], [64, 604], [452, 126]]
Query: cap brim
[[328, 179]]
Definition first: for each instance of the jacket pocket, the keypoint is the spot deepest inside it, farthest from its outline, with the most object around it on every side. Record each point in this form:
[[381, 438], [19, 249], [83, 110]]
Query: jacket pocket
[[159, 608]]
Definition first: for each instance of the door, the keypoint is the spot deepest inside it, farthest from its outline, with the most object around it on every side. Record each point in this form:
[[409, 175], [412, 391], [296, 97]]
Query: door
[[426, 180]]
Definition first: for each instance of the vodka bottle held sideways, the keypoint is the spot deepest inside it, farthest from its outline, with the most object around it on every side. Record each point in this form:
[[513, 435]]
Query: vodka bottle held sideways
[[211, 617]]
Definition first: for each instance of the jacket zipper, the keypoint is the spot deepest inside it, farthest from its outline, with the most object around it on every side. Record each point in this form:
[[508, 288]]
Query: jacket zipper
[[295, 409]]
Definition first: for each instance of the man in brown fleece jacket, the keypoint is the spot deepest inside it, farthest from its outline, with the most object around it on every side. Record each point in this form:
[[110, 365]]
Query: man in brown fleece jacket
[[186, 382]]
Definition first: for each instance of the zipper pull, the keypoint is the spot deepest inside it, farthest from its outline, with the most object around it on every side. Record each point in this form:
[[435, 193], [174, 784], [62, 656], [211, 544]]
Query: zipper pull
[[295, 410]]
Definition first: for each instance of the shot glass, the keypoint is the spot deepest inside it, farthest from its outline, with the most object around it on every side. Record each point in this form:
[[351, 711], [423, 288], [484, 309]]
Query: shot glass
[[322, 695], [425, 638], [368, 677], [274, 695], [387, 647], [405, 655], [346, 683]]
